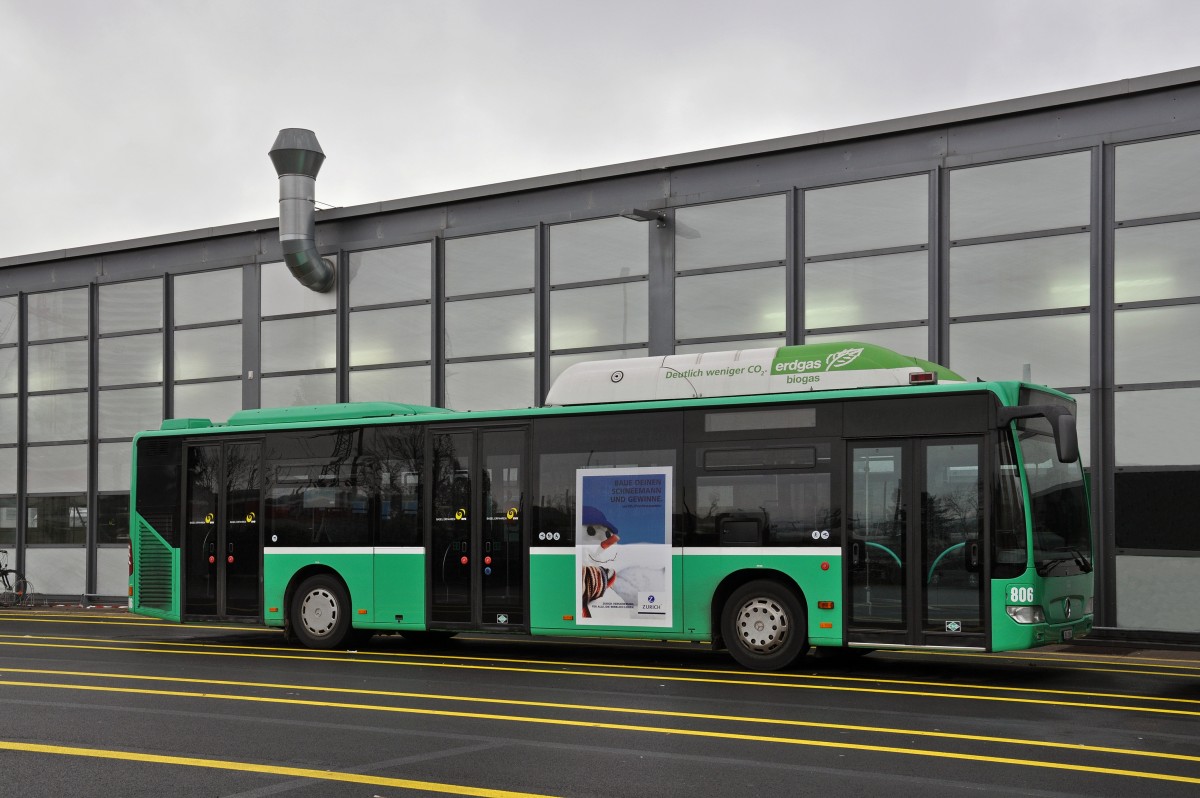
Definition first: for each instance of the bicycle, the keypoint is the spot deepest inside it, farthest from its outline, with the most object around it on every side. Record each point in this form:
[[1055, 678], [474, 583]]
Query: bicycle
[[17, 591]]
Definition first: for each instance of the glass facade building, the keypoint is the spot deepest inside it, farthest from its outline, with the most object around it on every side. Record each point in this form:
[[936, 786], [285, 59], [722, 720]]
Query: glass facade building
[[1052, 239]]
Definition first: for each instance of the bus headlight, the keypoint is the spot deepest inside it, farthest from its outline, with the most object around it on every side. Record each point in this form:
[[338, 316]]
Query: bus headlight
[[1027, 614]]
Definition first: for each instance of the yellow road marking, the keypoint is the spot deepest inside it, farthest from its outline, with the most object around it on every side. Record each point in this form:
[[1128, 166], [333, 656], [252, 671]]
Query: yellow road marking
[[659, 673], [627, 727], [254, 767], [544, 705]]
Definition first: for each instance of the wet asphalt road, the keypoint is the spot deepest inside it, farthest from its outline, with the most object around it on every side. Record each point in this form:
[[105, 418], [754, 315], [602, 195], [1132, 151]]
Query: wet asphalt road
[[102, 703]]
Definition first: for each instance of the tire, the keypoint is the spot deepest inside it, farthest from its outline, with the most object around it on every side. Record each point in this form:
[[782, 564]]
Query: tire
[[764, 626], [320, 612]]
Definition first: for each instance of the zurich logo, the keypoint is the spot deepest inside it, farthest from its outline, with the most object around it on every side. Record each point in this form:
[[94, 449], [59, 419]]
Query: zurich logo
[[650, 599]]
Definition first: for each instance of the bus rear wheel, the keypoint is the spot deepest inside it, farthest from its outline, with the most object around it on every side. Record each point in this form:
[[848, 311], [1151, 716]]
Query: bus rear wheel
[[320, 612], [764, 626]]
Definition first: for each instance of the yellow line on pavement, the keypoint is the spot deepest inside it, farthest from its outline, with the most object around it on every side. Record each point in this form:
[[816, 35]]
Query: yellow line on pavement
[[660, 674], [254, 767], [511, 702], [840, 745]]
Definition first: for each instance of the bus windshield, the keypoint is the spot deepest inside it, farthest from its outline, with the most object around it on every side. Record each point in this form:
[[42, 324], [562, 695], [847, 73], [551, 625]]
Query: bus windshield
[[1062, 542]]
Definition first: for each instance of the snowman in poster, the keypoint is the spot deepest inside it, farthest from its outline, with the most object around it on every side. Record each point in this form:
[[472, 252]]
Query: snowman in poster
[[623, 546]]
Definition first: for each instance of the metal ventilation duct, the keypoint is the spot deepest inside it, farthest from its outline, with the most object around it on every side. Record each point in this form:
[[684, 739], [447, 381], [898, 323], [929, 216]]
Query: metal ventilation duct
[[298, 157]]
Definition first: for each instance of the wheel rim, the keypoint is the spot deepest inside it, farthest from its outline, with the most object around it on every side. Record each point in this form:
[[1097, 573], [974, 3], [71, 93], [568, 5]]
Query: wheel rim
[[763, 625], [319, 612]]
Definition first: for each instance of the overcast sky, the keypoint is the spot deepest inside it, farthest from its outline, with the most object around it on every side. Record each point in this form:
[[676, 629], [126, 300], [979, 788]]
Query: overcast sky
[[132, 118]]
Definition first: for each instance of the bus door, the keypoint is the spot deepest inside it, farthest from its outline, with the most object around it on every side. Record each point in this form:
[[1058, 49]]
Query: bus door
[[476, 559], [222, 545], [915, 543]]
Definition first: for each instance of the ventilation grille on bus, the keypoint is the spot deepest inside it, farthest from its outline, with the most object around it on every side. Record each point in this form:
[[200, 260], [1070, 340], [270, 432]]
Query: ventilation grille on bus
[[155, 577]]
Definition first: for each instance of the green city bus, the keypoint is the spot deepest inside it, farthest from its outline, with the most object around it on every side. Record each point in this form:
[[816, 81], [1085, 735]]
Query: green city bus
[[764, 501]]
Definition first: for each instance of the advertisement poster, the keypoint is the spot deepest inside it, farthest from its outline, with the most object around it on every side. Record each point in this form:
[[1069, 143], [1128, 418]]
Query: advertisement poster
[[623, 546]]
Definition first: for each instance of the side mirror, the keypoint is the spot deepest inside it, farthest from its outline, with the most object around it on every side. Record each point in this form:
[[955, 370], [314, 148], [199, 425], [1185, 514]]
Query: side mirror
[[1062, 424]]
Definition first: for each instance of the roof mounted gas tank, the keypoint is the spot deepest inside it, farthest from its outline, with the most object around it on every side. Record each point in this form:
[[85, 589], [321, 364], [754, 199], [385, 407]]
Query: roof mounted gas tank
[[744, 372]]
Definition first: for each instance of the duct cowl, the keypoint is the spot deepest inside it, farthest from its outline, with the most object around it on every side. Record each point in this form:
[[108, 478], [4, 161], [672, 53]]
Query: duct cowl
[[297, 158]]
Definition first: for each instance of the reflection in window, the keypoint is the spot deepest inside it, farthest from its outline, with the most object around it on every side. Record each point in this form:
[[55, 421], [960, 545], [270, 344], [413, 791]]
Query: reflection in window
[[393, 274], [1157, 428], [112, 520], [131, 306], [730, 303], [731, 233], [58, 417], [1028, 274], [599, 249], [1158, 178], [53, 469], [1157, 261], [495, 262], [58, 367], [863, 216], [1157, 344], [783, 509], [492, 326], [1047, 350], [906, 340], [599, 316], [308, 342], [208, 296], [1021, 196], [208, 352], [490, 384], [56, 520], [58, 314], [216, 401], [298, 390], [131, 359], [124, 413], [8, 320], [412, 385], [8, 519], [282, 293], [872, 290], [390, 335]]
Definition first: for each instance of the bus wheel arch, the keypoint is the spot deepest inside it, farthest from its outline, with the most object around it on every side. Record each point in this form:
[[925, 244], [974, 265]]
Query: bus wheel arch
[[762, 619], [319, 611]]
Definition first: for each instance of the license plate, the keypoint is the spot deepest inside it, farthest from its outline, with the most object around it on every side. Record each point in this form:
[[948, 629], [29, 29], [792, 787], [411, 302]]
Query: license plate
[[1068, 634]]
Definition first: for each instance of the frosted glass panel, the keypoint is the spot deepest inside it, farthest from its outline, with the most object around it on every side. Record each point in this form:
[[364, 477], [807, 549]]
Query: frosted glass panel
[[131, 306], [58, 417], [126, 412], [912, 341], [283, 293], [1158, 178], [1157, 344], [58, 314], [608, 314], [730, 303], [58, 367], [1021, 196], [208, 296], [390, 335], [490, 385], [1158, 261], [598, 250], [1013, 276], [57, 469], [394, 274], [412, 385], [730, 233], [1158, 428], [9, 360], [131, 359], [114, 464], [297, 344], [208, 352], [1048, 350], [883, 288], [496, 262], [875, 215], [302, 389], [216, 401], [493, 326]]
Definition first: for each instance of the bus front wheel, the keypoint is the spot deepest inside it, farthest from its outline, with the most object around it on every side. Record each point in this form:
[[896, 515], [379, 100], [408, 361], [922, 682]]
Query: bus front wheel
[[320, 612], [764, 626]]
